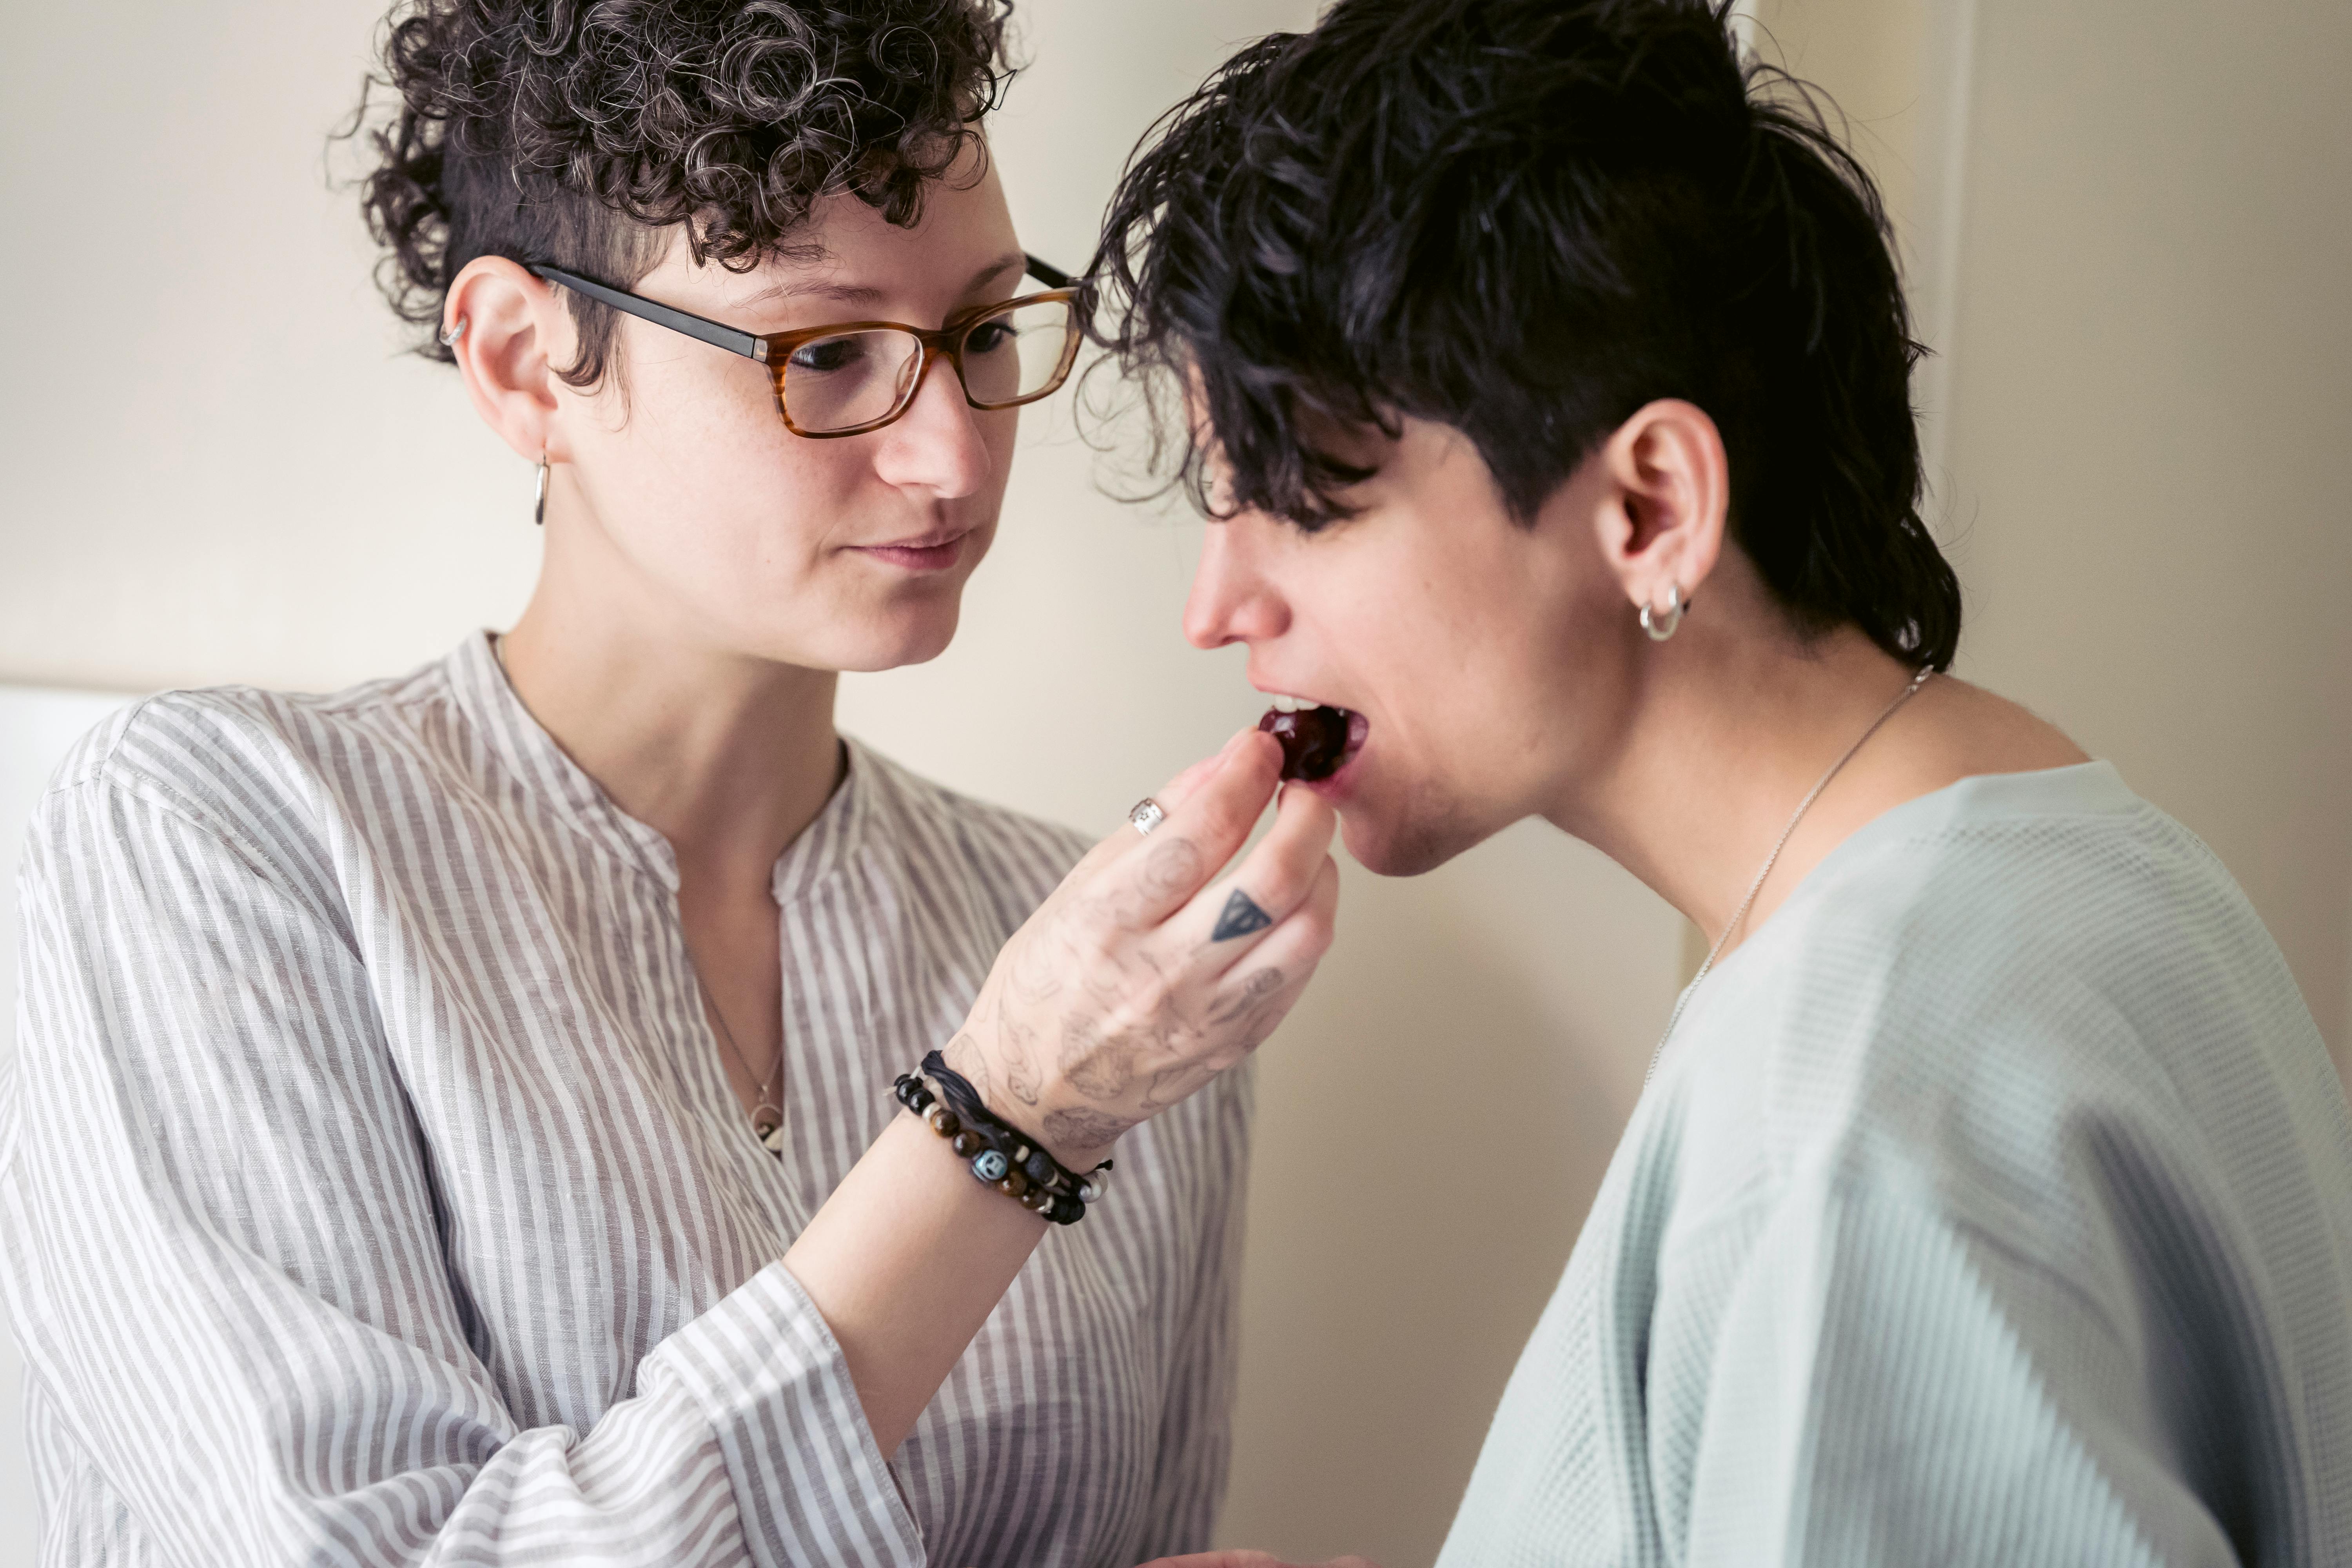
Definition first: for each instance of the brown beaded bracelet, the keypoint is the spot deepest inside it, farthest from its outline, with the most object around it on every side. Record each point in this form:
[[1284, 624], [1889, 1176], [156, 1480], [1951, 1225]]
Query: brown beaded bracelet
[[999, 1155]]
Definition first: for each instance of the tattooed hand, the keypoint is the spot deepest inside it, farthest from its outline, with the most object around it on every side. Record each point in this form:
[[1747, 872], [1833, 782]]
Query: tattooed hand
[[1137, 983]]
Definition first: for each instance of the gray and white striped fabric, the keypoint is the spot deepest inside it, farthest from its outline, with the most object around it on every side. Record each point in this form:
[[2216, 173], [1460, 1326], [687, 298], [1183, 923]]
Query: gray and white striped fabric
[[373, 1191]]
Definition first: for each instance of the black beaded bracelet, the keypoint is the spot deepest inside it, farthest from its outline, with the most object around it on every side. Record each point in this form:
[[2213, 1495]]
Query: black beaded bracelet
[[1000, 1154]]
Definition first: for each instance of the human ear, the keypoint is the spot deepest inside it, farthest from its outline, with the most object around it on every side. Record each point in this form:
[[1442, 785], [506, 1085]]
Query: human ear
[[506, 321], [1666, 500]]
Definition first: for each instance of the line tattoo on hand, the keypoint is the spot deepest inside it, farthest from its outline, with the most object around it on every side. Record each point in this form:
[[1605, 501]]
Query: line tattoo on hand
[[1254, 991], [1098, 1068], [963, 1055], [1173, 868], [1021, 1076], [1170, 1085], [1077, 1127], [1241, 918]]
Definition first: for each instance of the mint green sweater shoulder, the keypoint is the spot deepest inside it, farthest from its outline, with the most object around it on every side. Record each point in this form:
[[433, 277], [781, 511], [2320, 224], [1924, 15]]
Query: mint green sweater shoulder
[[1992, 1203]]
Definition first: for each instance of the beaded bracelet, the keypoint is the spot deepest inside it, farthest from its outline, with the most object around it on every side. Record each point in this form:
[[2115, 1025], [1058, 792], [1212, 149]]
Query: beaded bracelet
[[1001, 1155]]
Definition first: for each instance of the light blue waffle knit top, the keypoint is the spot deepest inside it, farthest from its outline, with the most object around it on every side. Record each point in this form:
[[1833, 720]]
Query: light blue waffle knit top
[[1992, 1205]]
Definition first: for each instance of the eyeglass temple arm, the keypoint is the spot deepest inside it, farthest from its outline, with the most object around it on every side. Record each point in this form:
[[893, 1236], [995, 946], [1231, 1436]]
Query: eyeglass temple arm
[[1051, 277], [734, 340]]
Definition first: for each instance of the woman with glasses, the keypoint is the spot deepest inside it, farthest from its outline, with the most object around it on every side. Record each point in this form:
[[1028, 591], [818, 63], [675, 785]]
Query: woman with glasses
[[454, 1119]]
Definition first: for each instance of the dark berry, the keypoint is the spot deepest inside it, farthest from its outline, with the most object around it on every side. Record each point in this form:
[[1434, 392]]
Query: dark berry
[[1313, 742]]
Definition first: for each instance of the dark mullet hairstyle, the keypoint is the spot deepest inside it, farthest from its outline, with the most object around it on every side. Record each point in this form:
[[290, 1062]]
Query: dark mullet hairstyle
[[1527, 219], [574, 131]]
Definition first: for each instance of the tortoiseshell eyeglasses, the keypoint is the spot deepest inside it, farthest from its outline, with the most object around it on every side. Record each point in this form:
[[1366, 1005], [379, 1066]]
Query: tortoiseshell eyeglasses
[[854, 376]]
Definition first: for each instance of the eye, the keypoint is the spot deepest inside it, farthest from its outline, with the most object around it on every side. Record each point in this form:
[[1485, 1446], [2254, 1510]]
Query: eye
[[989, 336], [829, 355]]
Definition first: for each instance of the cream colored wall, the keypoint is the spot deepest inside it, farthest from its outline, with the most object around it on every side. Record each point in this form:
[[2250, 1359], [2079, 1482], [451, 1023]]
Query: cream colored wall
[[2146, 386], [218, 470], [2152, 385]]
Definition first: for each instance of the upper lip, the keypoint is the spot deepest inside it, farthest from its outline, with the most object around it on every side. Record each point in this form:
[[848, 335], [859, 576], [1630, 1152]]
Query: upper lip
[[932, 541], [1269, 689]]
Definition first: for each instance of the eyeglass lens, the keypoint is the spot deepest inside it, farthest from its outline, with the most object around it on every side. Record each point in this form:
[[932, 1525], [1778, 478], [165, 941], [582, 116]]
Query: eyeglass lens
[[850, 379]]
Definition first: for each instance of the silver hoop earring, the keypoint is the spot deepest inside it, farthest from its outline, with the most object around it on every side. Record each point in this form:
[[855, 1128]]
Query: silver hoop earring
[[1663, 624], [450, 339], [539, 500]]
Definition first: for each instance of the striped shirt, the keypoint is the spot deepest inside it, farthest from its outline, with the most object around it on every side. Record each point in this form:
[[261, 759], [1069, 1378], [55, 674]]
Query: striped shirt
[[373, 1190]]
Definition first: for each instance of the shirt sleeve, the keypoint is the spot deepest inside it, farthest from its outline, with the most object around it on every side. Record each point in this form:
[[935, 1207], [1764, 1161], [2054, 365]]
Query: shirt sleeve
[[1888, 1383], [1196, 1424], [225, 1270]]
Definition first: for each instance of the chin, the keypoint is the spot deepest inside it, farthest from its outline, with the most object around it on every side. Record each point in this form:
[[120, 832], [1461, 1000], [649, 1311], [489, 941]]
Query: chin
[[893, 641], [1390, 844]]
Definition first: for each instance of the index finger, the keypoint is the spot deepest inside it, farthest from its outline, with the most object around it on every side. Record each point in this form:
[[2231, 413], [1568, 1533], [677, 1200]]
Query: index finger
[[1183, 788], [1150, 880], [1122, 839]]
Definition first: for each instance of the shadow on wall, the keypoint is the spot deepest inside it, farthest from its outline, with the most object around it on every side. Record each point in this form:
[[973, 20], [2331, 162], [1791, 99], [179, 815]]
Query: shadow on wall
[[1432, 1125]]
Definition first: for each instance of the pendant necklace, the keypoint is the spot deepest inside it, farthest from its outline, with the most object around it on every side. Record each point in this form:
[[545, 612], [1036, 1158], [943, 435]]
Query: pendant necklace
[[1771, 860], [767, 1116]]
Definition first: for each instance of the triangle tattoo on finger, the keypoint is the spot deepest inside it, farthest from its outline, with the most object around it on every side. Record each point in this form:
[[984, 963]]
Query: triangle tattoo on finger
[[1242, 917]]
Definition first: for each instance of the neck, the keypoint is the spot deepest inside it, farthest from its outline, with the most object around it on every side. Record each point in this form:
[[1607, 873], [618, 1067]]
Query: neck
[[728, 755], [1726, 735]]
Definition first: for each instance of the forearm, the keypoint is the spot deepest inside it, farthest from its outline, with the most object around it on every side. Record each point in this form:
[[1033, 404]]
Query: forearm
[[906, 1261], [1130, 969]]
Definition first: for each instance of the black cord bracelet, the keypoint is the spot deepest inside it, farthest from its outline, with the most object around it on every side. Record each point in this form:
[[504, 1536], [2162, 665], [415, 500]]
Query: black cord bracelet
[[1000, 1154]]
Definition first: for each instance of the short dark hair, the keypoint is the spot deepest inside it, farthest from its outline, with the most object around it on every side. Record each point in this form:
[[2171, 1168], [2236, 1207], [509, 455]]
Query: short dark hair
[[1527, 219], [572, 135]]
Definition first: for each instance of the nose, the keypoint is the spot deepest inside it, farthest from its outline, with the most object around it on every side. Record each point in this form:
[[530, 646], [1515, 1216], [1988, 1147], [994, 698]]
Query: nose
[[1232, 600], [935, 446]]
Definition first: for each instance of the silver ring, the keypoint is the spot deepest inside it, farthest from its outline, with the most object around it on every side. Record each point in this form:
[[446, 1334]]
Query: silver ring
[[1148, 815]]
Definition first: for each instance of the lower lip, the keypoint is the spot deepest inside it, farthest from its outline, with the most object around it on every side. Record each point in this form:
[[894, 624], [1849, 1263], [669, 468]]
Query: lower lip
[[1333, 787], [917, 557]]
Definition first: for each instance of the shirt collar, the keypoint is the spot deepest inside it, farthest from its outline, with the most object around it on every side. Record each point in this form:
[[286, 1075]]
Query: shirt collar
[[528, 758], [827, 843], [539, 770]]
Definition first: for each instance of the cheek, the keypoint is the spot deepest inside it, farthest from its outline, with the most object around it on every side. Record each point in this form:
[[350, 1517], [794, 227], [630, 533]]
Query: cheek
[[705, 488], [1000, 432], [1470, 655], [712, 439]]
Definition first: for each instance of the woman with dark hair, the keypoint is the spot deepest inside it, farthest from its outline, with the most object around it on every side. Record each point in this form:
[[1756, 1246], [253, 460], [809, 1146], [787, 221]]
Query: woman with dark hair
[[1990, 1198], [452, 1120]]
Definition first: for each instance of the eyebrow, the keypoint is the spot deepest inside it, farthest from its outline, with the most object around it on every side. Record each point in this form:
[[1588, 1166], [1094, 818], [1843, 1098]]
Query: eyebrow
[[861, 294]]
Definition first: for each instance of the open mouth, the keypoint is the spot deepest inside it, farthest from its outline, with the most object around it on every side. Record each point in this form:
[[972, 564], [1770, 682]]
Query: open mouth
[[1318, 738]]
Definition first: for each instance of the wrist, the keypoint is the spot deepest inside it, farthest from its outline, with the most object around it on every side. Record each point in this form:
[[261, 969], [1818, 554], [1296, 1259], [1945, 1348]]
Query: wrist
[[1011, 1089], [998, 1154], [1079, 1135]]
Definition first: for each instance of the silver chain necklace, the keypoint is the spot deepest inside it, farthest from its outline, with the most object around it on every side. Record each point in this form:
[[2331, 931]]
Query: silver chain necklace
[[1771, 860], [767, 1116]]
